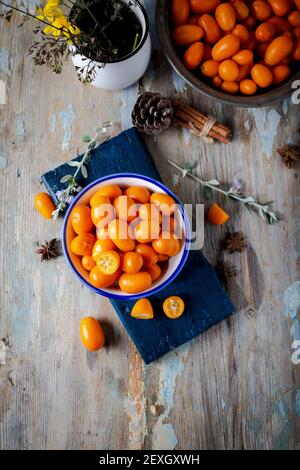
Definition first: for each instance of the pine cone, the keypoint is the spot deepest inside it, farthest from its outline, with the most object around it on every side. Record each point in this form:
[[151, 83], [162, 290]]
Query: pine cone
[[152, 114]]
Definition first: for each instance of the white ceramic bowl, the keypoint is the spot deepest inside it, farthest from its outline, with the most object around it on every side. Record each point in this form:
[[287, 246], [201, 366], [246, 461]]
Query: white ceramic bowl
[[173, 266], [124, 72]]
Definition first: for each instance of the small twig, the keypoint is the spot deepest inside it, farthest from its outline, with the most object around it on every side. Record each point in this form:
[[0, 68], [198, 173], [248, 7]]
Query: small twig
[[73, 187], [135, 41], [90, 13], [262, 208]]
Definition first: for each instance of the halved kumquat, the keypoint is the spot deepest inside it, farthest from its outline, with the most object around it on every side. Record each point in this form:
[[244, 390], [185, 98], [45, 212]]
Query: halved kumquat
[[173, 307]]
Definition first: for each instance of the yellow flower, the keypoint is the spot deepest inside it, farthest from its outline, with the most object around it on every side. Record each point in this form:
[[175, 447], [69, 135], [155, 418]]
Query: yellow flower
[[48, 13], [53, 3], [58, 23], [72, 29]]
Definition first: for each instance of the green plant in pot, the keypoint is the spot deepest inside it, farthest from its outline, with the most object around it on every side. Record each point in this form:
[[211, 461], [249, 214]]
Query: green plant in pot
[[108, 40]]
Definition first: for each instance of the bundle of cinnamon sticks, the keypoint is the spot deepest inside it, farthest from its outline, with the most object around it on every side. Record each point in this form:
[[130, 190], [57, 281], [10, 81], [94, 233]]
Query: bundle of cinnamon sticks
[[190, 118]]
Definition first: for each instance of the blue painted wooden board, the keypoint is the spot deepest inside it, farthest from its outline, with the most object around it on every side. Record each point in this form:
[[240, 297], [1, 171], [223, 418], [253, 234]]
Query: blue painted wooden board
[[206, 300]]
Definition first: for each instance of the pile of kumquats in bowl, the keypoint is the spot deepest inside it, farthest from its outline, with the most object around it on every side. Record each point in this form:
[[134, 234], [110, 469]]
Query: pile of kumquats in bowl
[[244, 47], [126, 237]]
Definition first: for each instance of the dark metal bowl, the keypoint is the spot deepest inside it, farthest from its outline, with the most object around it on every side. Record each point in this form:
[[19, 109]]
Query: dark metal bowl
[[275, 94]]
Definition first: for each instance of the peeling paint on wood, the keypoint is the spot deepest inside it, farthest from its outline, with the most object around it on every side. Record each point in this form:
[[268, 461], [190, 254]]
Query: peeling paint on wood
[[135, 403], [267, 123], [20, 127], [3, 162], [2, 92], [53, 120], [4, 61], [297, 407], [170, 368], [66, 118], [292, 308]]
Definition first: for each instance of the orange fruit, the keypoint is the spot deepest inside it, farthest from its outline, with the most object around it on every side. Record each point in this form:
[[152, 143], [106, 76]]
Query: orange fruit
[[44, 205], [226, 47], [88, 263], [281, 73], [187, 34], [241, 32], [261, 10], [162, 258], [173, 307], [230, 87], [100, 280], [138, 194], [154, 271], [126, 208], [265, 32], [294, 18], [216, 215], [101, 246], [149, 256], [132, 262], [81, 219], [146, 230], [228, 70], [143, 310], [91, 334], [164, 202], [102, 214], [193, 55], [102, 233], [241, 9], [210, 68], [248, 86], [112, 191], [108, 262], [135, 283], [226, 16], [98, 199], [207, 6], [177, 247], [150, 211], [82, 245], [119, 233], [280, 7], [278, 50], [165, 244], [262, 75], [244, 57]]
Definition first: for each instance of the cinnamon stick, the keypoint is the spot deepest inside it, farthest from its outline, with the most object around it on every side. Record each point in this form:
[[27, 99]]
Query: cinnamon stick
[[191, 118], [201, 118], [187, 125]]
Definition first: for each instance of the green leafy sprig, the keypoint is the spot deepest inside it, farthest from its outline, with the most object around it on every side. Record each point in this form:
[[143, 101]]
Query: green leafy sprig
[[263, 209], [73, 187]]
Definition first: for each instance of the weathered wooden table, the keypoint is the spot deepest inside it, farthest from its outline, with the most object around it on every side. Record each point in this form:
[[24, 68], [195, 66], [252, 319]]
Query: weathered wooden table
[[234, 387]]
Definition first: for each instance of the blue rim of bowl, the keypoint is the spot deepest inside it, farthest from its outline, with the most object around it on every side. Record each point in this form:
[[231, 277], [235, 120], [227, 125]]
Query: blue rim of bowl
[[155, 289]]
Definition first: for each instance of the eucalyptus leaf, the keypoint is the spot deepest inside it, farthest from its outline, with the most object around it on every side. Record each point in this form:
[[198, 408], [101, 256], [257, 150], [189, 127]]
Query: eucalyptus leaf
[[84, 171], [65, 178], [73, 163], [213, 183]]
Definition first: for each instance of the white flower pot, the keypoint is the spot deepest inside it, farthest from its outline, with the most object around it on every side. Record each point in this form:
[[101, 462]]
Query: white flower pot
[[121, 73]]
